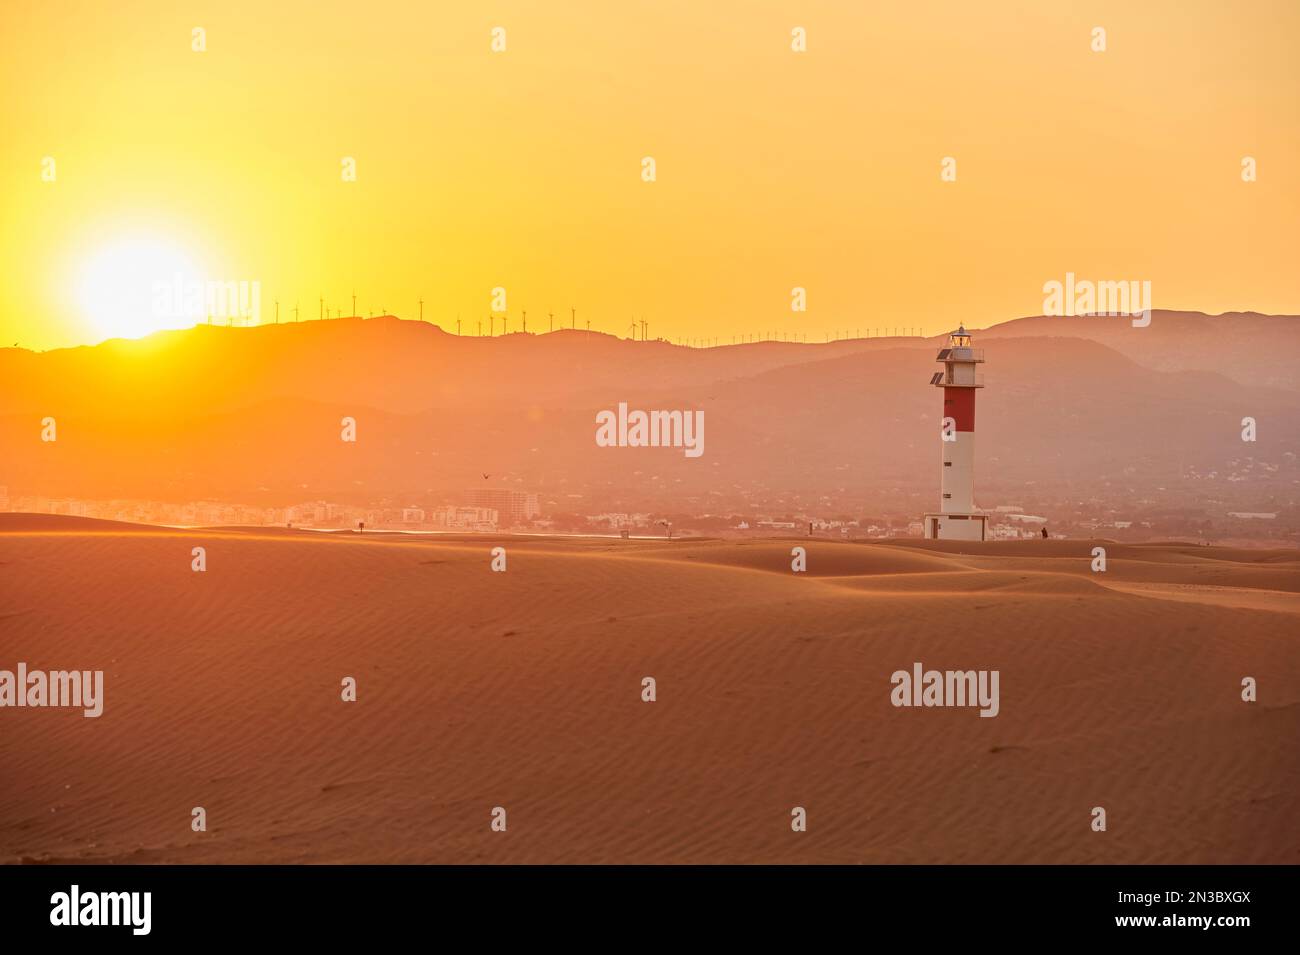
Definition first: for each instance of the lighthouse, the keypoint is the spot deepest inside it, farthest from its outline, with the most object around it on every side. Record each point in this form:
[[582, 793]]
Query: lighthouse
[[957, 518]]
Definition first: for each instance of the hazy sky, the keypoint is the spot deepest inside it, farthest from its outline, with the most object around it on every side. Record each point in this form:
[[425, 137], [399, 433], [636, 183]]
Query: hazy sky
[[775, 169]]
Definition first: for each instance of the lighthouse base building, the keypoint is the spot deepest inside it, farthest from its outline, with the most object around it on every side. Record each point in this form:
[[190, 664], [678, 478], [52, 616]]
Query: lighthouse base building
[[956, 527], [957, 517]]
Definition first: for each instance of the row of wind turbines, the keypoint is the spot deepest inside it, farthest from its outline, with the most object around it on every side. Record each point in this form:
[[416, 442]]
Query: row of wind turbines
[[331, 312], [638, 325]]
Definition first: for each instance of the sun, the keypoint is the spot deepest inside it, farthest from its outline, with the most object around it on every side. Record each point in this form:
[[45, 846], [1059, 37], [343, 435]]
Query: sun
[[133, 287]]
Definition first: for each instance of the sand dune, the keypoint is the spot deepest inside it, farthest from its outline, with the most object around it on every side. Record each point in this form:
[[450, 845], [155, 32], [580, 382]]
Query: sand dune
[[522, 690], [1274, 601]]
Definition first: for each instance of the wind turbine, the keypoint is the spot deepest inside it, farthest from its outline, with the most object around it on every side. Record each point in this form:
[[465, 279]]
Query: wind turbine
[[551, 316]]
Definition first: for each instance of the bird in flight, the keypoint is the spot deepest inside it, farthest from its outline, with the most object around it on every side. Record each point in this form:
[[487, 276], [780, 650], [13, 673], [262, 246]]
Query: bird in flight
[[486, 476]]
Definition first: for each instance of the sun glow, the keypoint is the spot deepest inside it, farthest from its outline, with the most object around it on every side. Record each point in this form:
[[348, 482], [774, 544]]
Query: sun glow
[[125, 289]]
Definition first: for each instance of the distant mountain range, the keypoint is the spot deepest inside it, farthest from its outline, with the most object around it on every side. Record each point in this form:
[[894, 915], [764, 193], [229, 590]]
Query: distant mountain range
[[253, 415]]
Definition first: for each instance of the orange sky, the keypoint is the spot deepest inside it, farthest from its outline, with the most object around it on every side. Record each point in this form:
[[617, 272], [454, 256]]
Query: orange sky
[[776, 169]]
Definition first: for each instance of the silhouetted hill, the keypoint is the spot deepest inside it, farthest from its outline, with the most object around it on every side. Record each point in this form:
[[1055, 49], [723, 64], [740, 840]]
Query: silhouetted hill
[[253, 415], [1248, 347]]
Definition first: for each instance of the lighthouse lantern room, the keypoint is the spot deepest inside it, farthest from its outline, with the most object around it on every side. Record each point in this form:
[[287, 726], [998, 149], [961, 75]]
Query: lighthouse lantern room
[[958, 518]]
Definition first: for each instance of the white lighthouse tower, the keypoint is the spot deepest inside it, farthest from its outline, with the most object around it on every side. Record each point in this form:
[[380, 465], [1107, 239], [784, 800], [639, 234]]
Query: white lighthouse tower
[[957, 518]]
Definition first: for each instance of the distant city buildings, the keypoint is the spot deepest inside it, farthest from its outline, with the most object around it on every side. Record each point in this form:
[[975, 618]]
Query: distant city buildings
[[620, 520], [1232, 517], [514, 507], [467, 518], [1010, 531]]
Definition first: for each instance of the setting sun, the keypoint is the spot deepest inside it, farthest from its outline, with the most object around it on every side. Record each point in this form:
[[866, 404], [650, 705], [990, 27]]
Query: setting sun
[[126, 289]]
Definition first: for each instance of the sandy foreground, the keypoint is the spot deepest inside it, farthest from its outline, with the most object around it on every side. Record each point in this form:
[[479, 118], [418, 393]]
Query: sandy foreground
[[523, 690]]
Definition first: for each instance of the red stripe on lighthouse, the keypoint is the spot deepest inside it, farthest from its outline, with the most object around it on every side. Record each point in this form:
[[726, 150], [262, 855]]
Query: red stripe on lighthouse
[[959, 404]]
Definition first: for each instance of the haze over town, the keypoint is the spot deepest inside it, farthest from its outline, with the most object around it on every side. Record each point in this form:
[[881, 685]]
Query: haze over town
[[1088, 426]]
